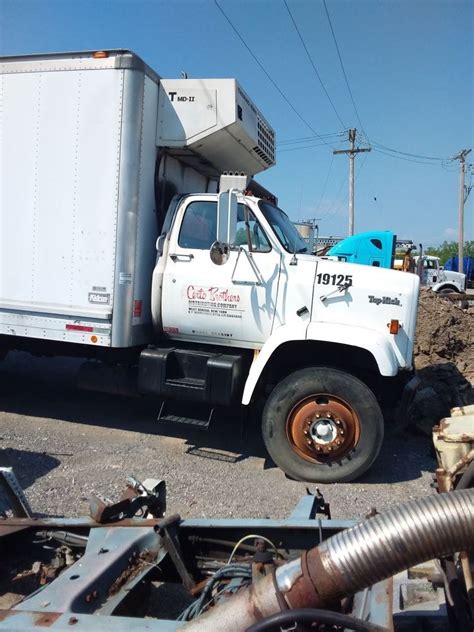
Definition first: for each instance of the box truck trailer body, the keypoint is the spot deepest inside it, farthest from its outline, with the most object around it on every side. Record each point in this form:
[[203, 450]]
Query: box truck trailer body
[[92, 148]]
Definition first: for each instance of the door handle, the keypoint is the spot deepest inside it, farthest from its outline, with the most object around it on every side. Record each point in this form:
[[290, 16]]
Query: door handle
[[177, 256]]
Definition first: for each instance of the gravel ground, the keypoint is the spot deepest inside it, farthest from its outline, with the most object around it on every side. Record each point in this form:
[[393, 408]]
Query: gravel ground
[[64, 444]]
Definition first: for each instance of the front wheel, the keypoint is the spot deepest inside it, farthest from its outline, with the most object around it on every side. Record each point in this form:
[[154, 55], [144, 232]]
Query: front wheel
[[449, 289], [322, 425]]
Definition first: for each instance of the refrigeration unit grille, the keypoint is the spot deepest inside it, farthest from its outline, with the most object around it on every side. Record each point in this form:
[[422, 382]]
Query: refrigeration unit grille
[[266, 142]]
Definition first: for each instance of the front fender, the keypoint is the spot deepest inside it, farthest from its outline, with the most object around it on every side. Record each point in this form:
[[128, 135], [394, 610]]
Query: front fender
[[375, 343], [372, 341], [285, 333]]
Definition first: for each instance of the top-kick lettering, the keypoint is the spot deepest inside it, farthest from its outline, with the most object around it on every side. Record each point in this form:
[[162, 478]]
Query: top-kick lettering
[[384, 300], [212, 294]]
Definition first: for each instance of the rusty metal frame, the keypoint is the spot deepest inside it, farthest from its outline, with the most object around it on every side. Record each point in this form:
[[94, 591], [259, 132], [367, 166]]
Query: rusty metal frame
[[129, 550]]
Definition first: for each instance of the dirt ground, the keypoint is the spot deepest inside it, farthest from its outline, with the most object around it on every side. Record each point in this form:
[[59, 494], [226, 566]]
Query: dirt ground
[[444, 359], [445, 333]]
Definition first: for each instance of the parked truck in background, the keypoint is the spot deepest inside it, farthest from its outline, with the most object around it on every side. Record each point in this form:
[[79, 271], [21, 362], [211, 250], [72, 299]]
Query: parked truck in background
[[452, 264], [378, 248], [121, 243], [372, 248], [440, 280]]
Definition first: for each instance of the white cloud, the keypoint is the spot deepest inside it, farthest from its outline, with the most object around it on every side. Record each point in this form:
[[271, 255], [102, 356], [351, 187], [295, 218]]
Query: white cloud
[[450, 233]]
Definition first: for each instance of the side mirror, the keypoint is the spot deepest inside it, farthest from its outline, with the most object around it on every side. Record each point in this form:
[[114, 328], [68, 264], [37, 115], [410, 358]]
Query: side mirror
[[160, 242], [226, 217], [219, 253]]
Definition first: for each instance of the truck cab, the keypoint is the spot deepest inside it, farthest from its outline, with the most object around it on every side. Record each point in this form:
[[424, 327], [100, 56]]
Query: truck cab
[[372, 248], [442, 281], [239, 301]]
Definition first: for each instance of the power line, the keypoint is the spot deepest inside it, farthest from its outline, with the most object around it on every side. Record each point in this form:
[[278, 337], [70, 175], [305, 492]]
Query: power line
[[449, 166], [378, 146], [420, 162], [362, 163], [285, 149], [305, 139], [325, 184], [269, 77], [343, 70], [311, 61], [335, 206], [405, 153]]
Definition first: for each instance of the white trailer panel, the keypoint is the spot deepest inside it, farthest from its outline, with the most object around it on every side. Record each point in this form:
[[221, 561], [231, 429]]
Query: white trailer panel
[[59, 194]]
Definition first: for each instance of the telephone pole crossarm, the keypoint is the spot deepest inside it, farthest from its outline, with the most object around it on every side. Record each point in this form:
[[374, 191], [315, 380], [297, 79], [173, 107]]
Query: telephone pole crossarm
[[357, 150]]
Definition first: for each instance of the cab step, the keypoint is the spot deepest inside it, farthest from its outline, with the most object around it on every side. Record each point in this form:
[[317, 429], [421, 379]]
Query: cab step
[[180, 414], [208, 377]]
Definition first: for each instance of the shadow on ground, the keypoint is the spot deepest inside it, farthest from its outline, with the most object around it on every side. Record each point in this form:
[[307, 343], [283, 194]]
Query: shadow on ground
[[27, 466], [45, 388]]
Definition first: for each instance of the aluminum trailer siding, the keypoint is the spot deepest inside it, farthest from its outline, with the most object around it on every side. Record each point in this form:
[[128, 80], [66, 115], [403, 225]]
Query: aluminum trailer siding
[[77, 207]]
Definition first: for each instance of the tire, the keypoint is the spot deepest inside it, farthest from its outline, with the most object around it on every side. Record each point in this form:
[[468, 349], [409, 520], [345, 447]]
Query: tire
[[322, 425]]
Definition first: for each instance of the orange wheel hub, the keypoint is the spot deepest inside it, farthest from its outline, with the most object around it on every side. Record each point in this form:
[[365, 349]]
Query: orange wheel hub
[[323, 428]]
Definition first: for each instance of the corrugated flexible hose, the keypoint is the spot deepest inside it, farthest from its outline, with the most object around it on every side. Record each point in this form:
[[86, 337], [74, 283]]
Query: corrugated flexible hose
[[398, 538], [354, 559]]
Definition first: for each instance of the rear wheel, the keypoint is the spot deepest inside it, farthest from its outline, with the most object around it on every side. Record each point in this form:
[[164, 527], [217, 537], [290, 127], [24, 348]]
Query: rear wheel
[[322, 425]]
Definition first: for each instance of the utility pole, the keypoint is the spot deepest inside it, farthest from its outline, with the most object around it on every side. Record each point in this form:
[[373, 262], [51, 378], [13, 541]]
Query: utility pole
[[461, 156], [353, 151]]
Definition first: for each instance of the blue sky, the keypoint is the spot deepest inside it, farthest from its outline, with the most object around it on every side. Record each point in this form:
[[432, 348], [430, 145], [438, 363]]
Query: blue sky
[[409, 64]]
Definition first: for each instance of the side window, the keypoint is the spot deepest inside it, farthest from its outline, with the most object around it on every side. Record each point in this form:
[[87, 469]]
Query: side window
[[258, 238], [199, 226]]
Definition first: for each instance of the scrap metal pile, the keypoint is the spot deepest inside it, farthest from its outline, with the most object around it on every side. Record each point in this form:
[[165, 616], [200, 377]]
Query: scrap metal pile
[[409, 568]]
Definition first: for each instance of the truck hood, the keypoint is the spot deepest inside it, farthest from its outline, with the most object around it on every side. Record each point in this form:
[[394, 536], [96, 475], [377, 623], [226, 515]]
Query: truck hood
[[457, 277], [368, 299]]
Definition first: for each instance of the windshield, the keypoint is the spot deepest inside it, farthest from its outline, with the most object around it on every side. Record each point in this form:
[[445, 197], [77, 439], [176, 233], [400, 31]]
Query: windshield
[[283, 228]]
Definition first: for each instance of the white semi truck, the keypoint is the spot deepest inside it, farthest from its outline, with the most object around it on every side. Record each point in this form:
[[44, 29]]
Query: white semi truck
[[120, 243], [442, 281]]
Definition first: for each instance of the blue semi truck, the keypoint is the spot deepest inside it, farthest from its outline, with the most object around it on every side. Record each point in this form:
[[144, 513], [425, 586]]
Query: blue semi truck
[[373, 248], [377, 248]]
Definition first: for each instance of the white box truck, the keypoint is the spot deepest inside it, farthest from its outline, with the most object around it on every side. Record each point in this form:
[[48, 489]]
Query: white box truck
[[120, 243]]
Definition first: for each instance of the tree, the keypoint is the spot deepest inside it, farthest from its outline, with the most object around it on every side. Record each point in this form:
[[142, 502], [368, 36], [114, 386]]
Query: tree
[[449, 249]]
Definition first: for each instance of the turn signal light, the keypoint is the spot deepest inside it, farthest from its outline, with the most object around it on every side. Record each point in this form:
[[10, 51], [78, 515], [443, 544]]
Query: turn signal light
[[100, 54], [394, 327]]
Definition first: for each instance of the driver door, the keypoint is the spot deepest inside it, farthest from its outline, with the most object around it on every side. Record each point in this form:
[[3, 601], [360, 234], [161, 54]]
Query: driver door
[[234, 302]]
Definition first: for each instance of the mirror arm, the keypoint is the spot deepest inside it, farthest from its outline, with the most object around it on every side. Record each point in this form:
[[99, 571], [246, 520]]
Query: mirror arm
[[254, 267], [247, 228]]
